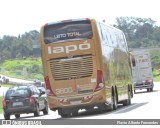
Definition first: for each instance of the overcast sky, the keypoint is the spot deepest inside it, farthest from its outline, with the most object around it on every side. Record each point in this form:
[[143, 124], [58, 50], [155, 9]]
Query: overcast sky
[[20, 16]]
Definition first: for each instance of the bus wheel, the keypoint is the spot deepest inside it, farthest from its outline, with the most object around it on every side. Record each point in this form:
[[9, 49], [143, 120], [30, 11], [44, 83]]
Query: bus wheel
[[89, 108], [64, 112], [74, 113], [114, 103], [65, 115], [128, 101], [102, 107]]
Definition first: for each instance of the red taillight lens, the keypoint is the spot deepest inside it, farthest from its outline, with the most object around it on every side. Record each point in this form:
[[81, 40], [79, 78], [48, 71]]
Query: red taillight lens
[[4, 103], [48, 87], [99, 76], [100, 83], [66, 21], [31, 100]]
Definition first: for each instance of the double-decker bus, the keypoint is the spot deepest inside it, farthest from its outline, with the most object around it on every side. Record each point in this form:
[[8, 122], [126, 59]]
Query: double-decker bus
[[86, 66]]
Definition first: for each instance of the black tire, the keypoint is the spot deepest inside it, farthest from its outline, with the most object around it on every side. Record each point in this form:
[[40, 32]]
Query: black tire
[[64, 115], [115, 102], [128, 101], [37, 112], [45, 110], [17, 115], [64, 112], [7, 116], [148, 89], [113, 105], [102, 108], [89, 108], [74, 113]]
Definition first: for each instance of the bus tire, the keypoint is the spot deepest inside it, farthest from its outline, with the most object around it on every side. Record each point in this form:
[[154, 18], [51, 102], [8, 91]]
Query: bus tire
[[64, 115], [113, 105], [115, 102], [131, 91], [128, 101], [74, 113], [64, 112], [102, 107]]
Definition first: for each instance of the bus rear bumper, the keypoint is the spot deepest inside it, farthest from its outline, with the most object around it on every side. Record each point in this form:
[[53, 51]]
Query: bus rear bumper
[[79, 102]]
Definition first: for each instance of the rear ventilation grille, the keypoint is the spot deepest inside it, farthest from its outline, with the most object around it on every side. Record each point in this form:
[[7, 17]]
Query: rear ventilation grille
[[72, 68]]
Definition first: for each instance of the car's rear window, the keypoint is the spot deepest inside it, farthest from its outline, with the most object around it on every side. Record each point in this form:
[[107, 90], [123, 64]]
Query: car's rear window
[[24, 92], [9, 93]]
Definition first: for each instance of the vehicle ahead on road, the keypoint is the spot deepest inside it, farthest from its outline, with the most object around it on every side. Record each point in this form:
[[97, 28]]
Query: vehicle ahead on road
[[86, 65], [24, 99], [142, 69]]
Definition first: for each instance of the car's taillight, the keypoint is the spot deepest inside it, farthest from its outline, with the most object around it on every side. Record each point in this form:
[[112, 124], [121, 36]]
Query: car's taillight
[[146, 81], [100, 83], [4, 103], [48, 87], [31, 100]]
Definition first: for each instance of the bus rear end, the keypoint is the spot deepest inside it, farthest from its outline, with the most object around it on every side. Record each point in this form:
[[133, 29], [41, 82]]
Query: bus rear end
[[72, 75]]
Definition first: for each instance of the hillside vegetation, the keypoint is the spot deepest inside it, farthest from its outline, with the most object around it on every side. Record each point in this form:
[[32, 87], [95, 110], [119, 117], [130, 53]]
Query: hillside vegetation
[[22, 68]]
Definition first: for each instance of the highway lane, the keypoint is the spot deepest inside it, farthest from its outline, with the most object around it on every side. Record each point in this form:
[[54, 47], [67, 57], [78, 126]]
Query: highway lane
[[145, 105]]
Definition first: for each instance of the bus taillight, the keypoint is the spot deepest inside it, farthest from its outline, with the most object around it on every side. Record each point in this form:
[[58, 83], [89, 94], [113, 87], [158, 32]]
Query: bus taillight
[[48, 87], [100, 83], [66, 21]]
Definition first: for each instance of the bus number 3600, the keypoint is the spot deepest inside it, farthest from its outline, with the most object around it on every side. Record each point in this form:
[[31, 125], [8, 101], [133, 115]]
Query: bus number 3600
[[64, 90]]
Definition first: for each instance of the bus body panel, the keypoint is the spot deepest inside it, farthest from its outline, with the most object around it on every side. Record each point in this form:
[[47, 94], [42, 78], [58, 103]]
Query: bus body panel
[[115, 60]]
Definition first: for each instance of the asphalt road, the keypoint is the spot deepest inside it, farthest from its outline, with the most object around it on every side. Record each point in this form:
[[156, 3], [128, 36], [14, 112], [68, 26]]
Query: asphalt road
[[145, 105]]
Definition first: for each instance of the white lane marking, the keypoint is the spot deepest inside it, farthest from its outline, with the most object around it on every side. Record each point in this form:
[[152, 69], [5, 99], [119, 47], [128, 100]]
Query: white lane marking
[[124, 109]]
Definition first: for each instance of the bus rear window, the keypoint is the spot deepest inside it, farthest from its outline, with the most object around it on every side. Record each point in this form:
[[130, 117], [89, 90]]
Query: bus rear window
[[67, 30]]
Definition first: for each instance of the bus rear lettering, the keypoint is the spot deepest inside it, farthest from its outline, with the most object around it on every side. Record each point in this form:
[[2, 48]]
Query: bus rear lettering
[[58, 49], [71, 48], [68, 49]]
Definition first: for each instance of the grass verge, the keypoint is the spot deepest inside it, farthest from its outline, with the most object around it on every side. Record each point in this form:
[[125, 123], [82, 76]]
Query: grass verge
[[1, 109]]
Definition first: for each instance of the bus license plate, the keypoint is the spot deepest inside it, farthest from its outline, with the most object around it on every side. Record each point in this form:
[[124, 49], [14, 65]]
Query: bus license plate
[[75, 102]]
